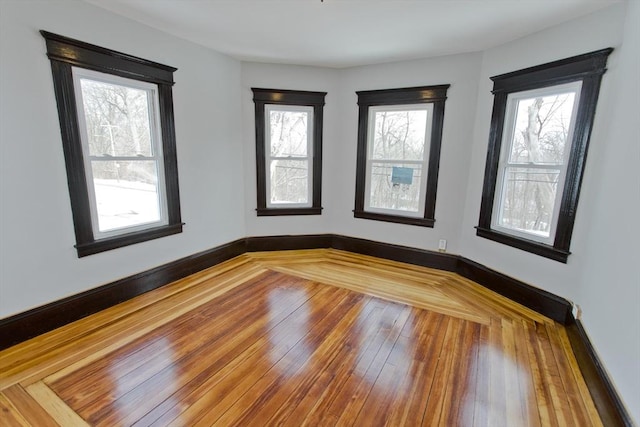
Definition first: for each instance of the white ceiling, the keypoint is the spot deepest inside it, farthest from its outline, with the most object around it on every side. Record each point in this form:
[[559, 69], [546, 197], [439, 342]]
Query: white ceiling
[[345, 33]]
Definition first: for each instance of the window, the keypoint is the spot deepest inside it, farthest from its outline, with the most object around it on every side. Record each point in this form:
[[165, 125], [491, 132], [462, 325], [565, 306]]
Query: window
[[116, 119], [288, 151], [399, 136], [542, 118]]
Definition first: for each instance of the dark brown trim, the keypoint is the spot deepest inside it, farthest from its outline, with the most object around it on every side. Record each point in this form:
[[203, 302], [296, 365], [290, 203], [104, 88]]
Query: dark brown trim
[[588, 69], [435, 95], [289, 242], [86, 55], [65, 53], [537, 248], [39, 320], [539, 300], [262, 97], [421, 257], [42, 319], [553, 73], [127, 239], [546, 303], [410, 220], [29, 324], [610, 407], [288, 211], [405, 95]]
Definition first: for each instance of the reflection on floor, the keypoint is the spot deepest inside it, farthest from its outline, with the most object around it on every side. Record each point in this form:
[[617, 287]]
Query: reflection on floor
[[317, 337]]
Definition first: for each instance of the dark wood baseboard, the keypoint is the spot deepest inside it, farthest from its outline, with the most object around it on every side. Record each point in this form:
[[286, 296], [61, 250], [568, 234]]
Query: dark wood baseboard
[[31, 323], [546, 303], [421, 257], [604, 395], [551, 305], [45, 318], [288, 242]]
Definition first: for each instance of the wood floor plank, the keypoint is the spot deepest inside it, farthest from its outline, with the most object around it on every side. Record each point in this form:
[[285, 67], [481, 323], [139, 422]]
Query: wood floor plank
[[327, 388], [460, 393], [287, 367], [437, 405], [30, 409], [294, 398], [309, 337], [592, 412], [11, 417], [233, 408], [428, 350], [55, 406], [526, 382], [483, 404], [511, 373], [536, 364], [47, 342], [90, 347], [142, 397], [197, 398], [430, 298], [569, 387], [159, 348], [367, 371]]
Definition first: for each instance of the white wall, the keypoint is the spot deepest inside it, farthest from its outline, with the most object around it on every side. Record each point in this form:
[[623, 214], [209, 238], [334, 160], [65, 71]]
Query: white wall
[[596, 31], [216, 159], [271, 76], [38, 261], [609, 283], [339, 145], [460, 71], [601, 274]]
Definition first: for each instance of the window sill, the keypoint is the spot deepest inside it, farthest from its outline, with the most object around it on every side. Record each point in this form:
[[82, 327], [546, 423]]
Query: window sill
[[102, 245], [421, 222], [288, 211], [537, 248]]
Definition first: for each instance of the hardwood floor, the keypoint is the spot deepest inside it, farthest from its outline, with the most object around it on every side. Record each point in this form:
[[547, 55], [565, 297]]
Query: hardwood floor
[[314, 337]]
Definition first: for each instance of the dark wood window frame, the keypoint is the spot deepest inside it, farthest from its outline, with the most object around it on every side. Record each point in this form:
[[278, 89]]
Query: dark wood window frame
[[435, 95], [65, 53], [587, 68], [263, 97]]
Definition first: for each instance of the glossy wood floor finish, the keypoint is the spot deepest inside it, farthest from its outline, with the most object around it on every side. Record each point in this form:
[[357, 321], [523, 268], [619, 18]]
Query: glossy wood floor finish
[[316, 338]]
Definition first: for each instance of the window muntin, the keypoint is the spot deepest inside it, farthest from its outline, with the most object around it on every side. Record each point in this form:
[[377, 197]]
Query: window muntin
[[548, 230], [536, 144], [398, 140], [289, 139], [122, 147], [93, 152]]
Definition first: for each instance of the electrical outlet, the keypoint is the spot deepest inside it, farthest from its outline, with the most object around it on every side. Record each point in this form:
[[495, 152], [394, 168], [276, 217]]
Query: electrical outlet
[[577, 311], [442, 245]]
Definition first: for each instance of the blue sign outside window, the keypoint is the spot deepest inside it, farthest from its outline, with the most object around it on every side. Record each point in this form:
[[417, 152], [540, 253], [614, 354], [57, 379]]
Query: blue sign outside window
[[401, 175]]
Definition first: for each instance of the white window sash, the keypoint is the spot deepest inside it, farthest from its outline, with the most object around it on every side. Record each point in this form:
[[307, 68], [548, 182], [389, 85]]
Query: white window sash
[[428, 107], [269, 158], [156, 149], [504, 163]]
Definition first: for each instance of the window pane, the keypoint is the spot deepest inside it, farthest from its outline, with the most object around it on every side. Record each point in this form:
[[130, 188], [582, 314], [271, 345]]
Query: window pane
[[117, 119], [126, 193], [289, 181], [288, 133], [395, 186], [528, 198], [399, 135], [541, 129]]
